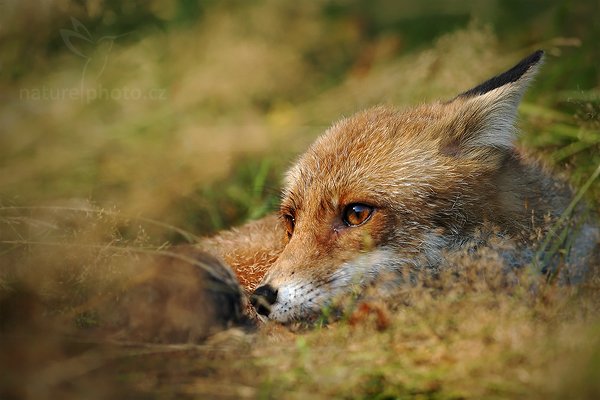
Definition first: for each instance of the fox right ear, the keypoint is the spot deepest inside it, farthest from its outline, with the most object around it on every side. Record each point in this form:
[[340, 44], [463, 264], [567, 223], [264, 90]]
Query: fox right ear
[[485, 115], [520, 75]]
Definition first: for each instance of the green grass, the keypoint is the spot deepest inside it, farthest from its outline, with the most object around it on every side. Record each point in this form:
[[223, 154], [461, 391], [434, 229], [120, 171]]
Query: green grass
[[230, 96]]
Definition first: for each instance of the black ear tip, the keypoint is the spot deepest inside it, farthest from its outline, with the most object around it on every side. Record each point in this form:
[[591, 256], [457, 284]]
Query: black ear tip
[[510, 76], [525, 64], [535, 57]]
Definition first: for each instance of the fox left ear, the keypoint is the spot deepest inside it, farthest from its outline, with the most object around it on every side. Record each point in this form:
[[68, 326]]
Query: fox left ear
[[485, 115]]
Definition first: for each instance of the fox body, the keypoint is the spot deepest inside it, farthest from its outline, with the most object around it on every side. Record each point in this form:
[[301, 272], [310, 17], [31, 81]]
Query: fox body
[[388, 190]]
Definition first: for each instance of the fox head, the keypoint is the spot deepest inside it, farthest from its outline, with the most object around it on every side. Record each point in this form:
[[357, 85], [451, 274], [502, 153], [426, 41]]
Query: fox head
[[387, 189]]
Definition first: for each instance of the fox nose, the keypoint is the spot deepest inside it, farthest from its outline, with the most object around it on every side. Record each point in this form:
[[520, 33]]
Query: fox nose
[[263, 298]]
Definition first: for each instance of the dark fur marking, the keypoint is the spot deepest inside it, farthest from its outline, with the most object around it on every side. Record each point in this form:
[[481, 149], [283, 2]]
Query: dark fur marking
[[512, 75]]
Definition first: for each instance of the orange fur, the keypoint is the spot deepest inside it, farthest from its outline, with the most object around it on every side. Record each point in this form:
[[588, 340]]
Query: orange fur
[[250, 249]]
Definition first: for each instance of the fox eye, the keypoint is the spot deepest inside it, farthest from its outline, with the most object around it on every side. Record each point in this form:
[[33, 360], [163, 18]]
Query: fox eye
[[356, 214], [290, 222]]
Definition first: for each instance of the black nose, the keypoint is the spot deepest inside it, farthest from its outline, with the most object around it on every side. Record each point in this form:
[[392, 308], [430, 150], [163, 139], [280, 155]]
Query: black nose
[[262, 299]]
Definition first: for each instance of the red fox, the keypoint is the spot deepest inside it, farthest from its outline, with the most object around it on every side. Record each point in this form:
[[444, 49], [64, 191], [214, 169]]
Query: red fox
[[387, 190]]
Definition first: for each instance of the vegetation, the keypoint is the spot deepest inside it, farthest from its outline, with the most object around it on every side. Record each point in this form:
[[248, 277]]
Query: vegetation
[[129, 126]]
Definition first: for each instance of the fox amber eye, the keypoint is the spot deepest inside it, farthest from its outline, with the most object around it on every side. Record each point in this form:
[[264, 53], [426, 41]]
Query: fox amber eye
[[357, 214], [289, 224]]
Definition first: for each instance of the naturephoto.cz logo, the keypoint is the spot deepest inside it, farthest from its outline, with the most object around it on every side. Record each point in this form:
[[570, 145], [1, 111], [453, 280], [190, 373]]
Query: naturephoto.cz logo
[[95, 54], [89, 94]]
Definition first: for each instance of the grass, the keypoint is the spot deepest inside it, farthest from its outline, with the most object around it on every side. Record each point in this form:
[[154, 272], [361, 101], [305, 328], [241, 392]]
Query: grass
[[228, 97]]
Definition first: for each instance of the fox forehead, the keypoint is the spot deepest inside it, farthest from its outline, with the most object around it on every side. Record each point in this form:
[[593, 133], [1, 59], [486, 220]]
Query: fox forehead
[[373, 157]]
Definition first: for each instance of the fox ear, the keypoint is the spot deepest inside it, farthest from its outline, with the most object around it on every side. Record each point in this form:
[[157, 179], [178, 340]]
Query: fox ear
[[485, 115]]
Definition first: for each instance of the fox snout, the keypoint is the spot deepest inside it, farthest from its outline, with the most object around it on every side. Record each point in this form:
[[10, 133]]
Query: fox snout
[[298, 291], [263, 298]]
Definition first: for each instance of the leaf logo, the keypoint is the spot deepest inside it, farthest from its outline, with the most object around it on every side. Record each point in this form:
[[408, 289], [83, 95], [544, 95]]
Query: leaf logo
[[79, 39]]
